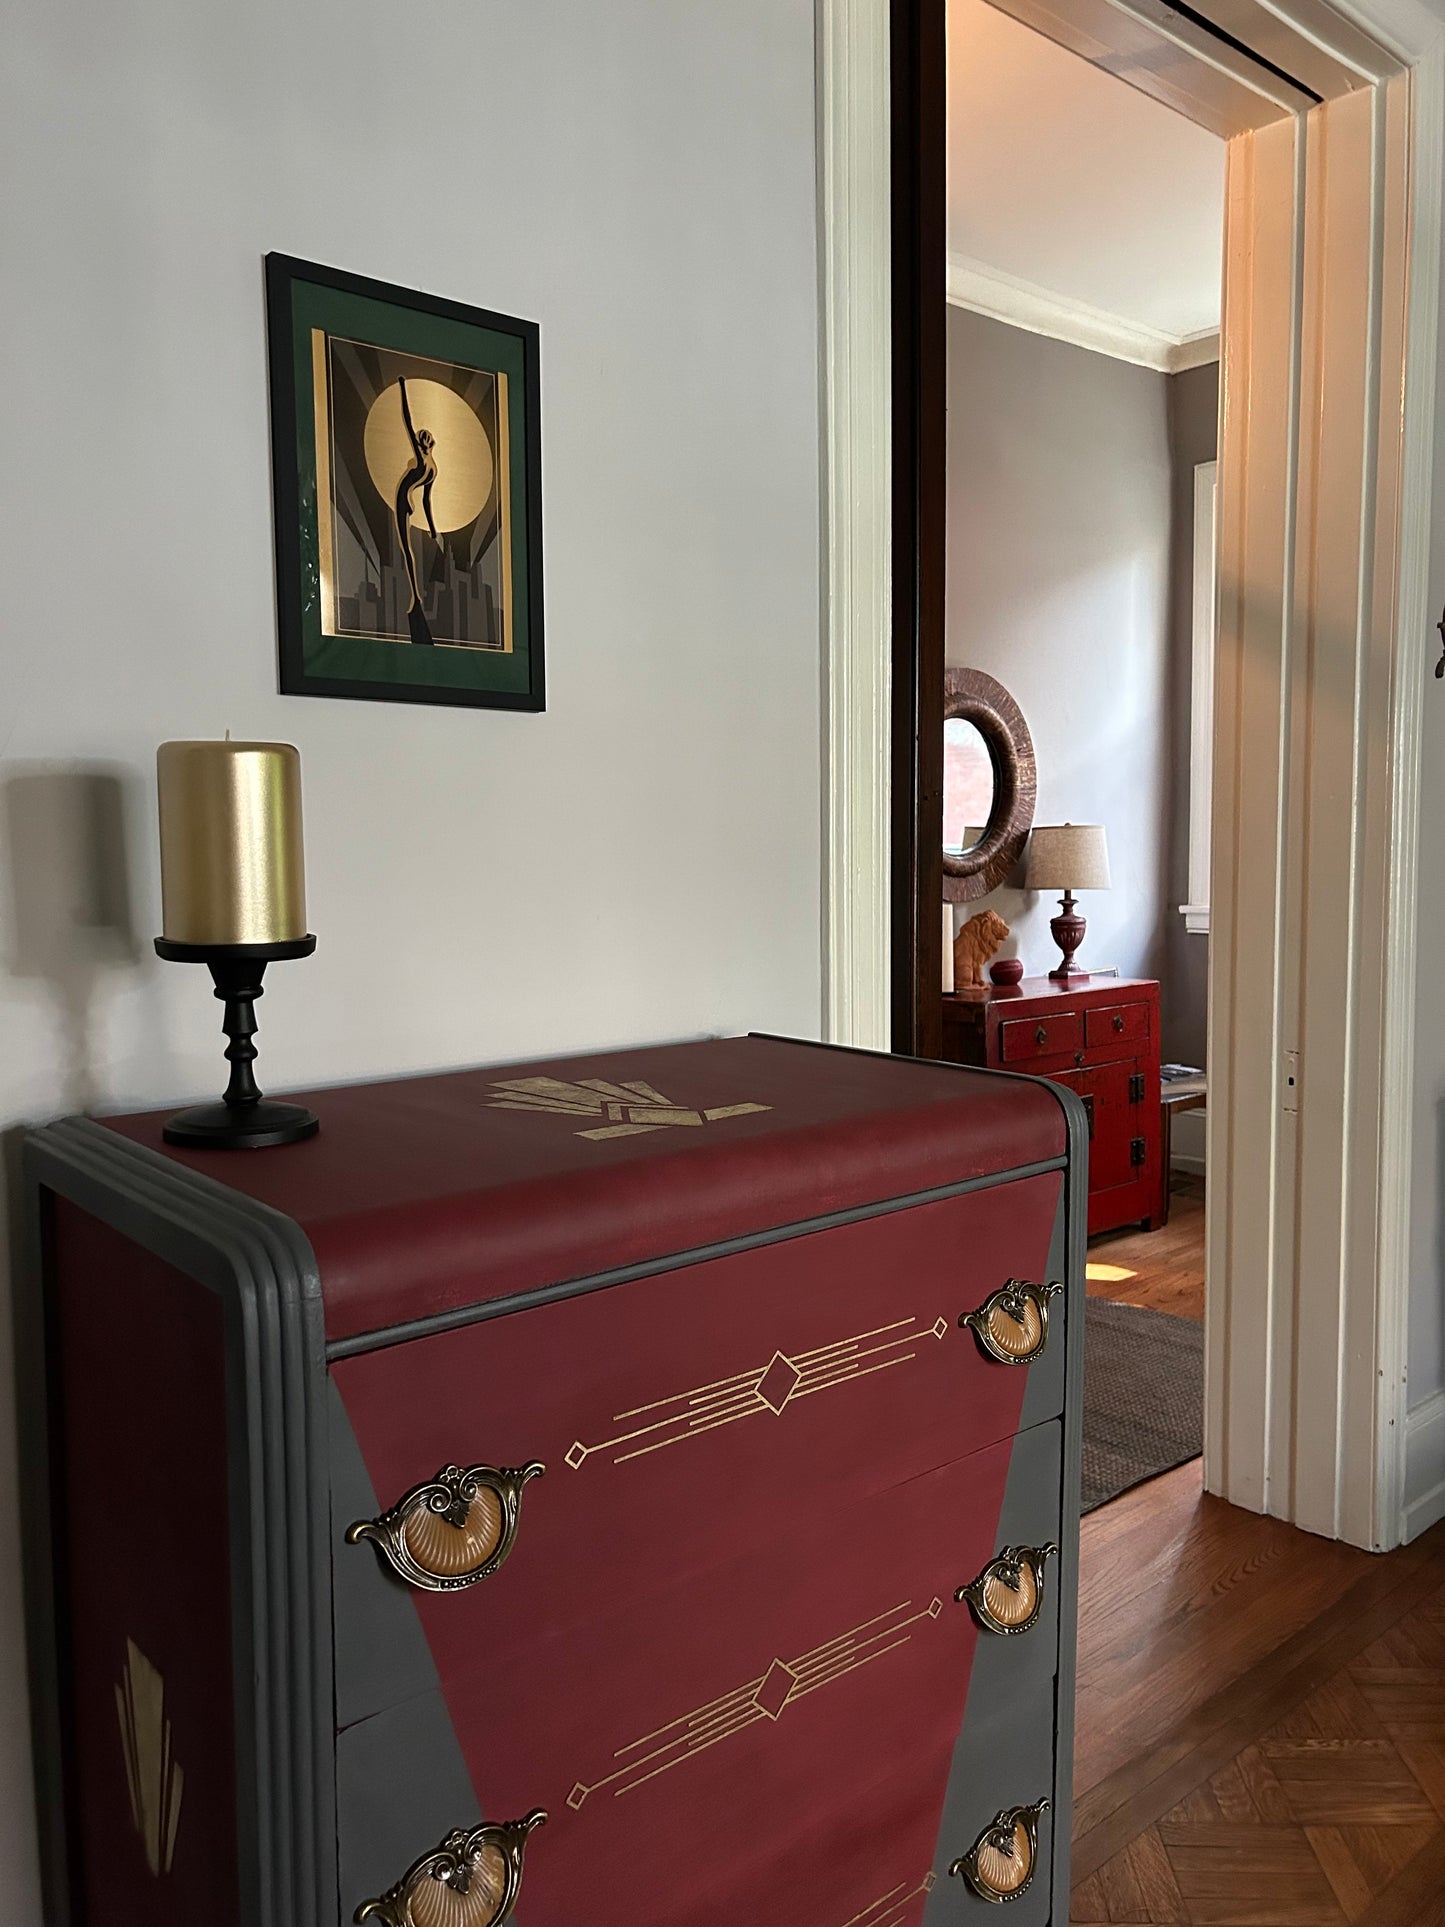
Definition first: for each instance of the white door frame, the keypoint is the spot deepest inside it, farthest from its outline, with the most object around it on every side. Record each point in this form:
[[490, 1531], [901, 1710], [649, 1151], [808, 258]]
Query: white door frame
[[854, 173]]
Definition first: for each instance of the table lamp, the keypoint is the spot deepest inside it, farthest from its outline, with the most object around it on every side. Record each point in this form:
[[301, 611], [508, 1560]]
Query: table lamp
[[1068, 857]]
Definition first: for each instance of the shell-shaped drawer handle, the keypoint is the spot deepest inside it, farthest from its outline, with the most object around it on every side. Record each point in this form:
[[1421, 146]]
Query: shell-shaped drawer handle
[[1008, 1595], [1001, 1863], [1012, 1326], [470, 1880], [453, 1531]]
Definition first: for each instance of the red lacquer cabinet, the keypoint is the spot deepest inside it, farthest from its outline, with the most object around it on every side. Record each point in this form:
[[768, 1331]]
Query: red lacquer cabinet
[[636, 1491], [1100, 1037]]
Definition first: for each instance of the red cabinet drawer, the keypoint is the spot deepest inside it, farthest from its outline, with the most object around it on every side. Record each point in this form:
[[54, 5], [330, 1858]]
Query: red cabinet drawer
[[1027, 1037], [1116, 1024]]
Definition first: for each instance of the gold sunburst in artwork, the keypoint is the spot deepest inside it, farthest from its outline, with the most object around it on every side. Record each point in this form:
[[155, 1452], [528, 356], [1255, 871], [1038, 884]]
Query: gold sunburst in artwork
[[465, 468], [610, 1110], [153, 1776]]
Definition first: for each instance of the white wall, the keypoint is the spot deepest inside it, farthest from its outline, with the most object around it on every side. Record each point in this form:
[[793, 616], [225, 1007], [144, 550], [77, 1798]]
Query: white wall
[[640, 862], [1058, 586]]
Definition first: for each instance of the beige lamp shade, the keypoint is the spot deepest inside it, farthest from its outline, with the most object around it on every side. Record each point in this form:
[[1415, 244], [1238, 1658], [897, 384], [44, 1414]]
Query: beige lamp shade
[[1068, 856]]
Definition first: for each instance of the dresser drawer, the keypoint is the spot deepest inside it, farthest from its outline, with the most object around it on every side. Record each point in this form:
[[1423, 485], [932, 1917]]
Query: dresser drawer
[[685, 1414], [1116, 1026], [1024, 1038], [1000, 1767], [688, 1747], [1011, 1666]]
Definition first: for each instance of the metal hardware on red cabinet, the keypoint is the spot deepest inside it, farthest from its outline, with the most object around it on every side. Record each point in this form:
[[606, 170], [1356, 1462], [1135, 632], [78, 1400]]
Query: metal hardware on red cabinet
[[1041, 1035], [1118, 1022], [1138, 1150], [453, 1531], [1012, 1327], [1136, 1087], [1001, 1863], [1078, 1057], [1088, 1102], [1008, 1595], [470, 1880]]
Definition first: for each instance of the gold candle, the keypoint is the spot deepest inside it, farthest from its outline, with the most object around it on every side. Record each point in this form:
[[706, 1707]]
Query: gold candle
[[232, 869]]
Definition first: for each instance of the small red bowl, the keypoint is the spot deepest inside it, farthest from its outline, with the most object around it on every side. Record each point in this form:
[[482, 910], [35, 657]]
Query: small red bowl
[[1008, 970]]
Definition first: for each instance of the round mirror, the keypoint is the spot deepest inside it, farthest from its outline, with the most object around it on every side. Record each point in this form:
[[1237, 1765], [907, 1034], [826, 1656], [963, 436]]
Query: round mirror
[[988, 784], [968, 785]]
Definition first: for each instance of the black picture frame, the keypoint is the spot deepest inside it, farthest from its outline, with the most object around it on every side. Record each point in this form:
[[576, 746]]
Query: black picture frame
[[476, 593]]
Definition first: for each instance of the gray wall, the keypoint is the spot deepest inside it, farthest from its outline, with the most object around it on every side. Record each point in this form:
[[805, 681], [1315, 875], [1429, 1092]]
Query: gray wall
[[1060, 497], [641, 862]]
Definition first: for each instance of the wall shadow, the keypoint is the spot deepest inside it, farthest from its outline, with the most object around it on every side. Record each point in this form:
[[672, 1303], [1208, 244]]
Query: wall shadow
[[71, 917]]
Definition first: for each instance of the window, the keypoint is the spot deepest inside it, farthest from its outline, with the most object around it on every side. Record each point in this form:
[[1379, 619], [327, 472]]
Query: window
[[1201, 701]]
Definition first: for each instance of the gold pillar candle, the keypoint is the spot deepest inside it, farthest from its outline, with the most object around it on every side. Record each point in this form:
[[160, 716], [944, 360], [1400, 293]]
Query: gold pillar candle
[[232, 869]]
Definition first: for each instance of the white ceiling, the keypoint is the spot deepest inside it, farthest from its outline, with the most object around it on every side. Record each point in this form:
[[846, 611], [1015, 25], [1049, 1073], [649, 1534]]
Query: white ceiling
[[1072, 183]]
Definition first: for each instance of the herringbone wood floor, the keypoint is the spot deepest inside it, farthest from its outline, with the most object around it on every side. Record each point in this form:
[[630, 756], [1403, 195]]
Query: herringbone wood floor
[[1261, 1714]]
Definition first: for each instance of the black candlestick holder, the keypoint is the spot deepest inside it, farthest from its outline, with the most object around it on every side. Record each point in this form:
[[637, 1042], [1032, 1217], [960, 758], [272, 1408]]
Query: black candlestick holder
[[243, 1119]]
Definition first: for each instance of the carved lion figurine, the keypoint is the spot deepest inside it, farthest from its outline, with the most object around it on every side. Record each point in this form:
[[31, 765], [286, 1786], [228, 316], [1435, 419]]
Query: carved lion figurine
[[975, 943]]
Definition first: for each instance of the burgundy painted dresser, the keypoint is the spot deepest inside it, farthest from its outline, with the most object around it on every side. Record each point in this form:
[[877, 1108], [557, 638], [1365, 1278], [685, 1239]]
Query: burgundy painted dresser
[[1100, 1037], [631, 1491]]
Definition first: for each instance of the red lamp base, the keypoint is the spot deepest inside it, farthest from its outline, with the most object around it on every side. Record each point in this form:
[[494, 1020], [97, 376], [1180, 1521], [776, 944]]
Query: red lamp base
[[1068, 932]]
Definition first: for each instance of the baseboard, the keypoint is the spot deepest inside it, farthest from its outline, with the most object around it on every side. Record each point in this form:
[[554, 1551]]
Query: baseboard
[[1182, 1161], [1424, 1465]]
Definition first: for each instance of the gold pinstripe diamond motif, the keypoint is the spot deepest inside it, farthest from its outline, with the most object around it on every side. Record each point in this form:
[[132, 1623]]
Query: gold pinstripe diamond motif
[[770, 1387], [781, 1685], [890, 1910], [619, 1110]]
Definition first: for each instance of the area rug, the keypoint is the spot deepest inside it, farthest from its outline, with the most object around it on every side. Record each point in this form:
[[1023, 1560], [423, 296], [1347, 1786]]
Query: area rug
[[1143, 1396]]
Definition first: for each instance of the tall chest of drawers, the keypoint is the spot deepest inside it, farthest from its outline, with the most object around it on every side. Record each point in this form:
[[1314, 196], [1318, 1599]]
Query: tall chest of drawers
[[633, 1491], [1100, 1037]]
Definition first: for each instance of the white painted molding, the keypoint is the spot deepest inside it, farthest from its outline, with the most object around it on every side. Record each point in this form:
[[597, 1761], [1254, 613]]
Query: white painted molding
[[1193, 351], [1204, 572], [1023, 304], [1424, 1498], [1397, 1500], [854, 183]]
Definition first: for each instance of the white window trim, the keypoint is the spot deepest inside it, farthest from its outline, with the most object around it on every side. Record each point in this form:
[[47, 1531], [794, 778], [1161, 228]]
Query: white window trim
[[1201, 699]]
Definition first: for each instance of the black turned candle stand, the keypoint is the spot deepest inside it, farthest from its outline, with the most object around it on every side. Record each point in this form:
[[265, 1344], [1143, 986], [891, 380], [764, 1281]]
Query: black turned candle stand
[[243, 1119]]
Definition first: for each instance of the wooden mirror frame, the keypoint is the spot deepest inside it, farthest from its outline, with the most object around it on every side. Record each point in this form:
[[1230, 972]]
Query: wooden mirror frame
[[978, 699]]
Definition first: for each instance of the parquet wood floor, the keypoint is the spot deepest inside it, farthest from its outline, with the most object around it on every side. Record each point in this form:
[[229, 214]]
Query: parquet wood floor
[[1261, 1722]]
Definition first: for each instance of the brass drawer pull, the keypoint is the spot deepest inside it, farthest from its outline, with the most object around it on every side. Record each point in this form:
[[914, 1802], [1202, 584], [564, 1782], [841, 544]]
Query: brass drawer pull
[[1001, 1863], [1012, 1327], [470, 1880], [1041, 1035], [1008, 1595], [1118, 1022], [453, 1531]]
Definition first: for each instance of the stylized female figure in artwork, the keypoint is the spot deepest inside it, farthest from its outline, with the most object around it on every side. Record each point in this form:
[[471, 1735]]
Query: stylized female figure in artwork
[[421, 475]]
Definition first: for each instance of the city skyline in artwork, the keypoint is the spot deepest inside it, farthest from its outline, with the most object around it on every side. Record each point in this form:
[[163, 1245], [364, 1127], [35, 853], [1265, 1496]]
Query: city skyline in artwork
[[412, 482]]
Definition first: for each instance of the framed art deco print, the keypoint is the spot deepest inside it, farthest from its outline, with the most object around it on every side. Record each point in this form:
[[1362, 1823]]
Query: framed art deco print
[[406, 464]]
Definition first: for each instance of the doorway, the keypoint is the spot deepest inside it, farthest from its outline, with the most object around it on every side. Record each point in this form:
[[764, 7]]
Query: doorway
[[1085, 243], [1318, 691]]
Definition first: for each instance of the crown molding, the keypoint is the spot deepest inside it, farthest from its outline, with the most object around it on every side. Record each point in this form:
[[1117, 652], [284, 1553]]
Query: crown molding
[[1003, 297]]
